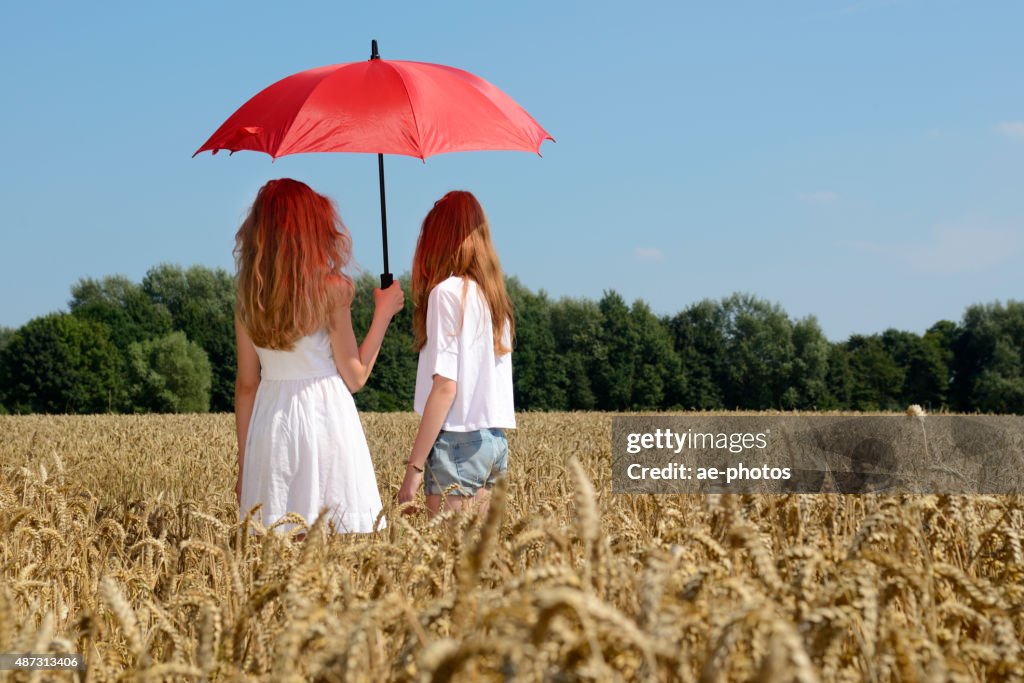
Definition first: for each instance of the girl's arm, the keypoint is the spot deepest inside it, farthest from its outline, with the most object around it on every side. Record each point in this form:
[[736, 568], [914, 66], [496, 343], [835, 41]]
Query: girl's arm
[[444, 314], [247, 381], [355, 361], [439, 402]]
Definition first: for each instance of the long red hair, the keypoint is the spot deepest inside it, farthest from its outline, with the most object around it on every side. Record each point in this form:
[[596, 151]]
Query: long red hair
[[289, 254], [455, 239]]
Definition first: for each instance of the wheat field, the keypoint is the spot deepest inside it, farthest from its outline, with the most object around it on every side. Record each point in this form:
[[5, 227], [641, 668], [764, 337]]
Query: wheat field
[[121, 541]]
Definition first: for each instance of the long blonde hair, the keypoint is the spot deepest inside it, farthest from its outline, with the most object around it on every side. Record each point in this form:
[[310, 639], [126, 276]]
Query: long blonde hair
[[455, 239], [289, 249]]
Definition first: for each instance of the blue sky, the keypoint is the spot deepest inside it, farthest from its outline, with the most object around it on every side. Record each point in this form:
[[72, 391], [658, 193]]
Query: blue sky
[[862, 161]]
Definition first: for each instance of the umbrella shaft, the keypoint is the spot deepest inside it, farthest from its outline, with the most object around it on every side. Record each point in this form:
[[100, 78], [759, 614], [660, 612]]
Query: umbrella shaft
[[385, 277]]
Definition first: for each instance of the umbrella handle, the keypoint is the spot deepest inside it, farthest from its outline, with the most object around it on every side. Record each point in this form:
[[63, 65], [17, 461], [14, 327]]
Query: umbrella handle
[[386, 279]]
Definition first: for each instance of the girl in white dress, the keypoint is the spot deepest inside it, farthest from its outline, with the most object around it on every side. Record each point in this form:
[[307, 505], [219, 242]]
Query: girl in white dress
[[301, 446]]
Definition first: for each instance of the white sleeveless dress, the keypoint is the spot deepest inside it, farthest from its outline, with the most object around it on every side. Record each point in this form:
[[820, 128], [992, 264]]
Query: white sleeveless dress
[[305, 448]]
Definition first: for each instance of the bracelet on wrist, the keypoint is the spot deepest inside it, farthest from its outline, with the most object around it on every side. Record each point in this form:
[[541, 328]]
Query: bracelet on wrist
[[415, 467]]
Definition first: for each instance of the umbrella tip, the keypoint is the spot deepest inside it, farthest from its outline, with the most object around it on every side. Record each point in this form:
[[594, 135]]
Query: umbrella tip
[[373, 50]]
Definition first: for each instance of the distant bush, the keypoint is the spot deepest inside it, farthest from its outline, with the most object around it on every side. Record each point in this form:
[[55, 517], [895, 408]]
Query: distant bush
[[169, 374], [61, 364]]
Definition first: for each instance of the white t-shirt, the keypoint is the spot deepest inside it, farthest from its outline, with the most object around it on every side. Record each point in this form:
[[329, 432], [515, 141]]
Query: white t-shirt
[[460, 346]]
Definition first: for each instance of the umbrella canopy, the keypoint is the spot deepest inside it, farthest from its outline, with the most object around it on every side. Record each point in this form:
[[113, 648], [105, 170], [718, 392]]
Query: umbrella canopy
[[383, 107]]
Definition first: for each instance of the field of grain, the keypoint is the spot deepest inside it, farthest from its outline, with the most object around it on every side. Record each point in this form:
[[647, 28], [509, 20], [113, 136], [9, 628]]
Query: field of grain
[[119, 539]]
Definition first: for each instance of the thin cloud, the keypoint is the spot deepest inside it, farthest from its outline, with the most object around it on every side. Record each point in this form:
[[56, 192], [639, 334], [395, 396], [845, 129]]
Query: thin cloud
[[951, 251], [648, 254], [1012, 129], [819, 197]]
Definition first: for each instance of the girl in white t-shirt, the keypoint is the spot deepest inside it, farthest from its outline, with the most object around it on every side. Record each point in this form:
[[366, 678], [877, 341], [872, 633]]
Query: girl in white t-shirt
[[463, 327]]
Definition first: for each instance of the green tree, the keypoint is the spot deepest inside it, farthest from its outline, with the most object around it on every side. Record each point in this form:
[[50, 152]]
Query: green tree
[[988, 359], [698, 335], [925, 375], [201, 302], [658, 380], [6, 334], [928, 373], [944, 333], [61, 364], [168, 374], [1000, 386], [877, 377], [808, 382], [576, 327], [122, 306], [759, 346], [840, 379], [612, 375], [392, 383], [942, 336], [538, 374]]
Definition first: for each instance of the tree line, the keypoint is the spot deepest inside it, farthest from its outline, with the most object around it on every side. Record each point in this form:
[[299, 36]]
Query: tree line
[[166, 344]]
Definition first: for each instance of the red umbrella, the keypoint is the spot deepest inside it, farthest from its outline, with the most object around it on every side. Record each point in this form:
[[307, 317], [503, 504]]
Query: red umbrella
[[383, 107]]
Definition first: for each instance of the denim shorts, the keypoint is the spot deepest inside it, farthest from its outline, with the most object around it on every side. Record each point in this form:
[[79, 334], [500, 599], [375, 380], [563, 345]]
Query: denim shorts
[[468, 460]]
